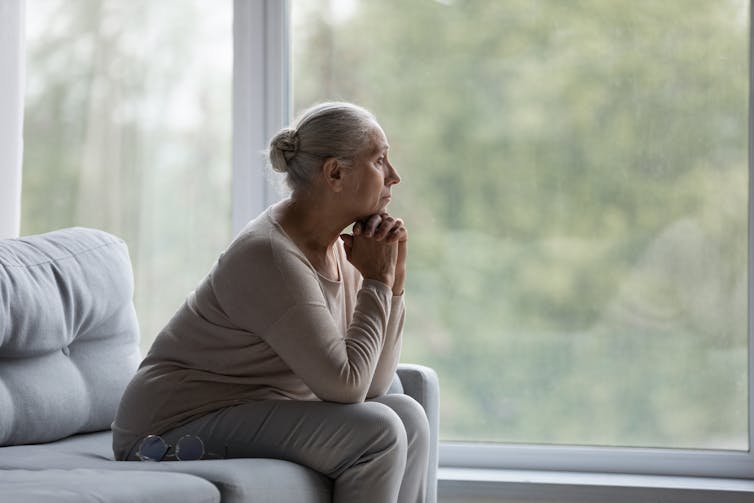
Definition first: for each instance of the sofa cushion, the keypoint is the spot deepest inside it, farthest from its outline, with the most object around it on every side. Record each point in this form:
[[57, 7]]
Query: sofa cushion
[[68, 333], [96, 486], [238, 480]]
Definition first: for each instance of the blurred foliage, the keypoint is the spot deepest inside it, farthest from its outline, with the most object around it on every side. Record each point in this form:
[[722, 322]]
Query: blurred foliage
[[574, 180], [127, 129], [575, 184]]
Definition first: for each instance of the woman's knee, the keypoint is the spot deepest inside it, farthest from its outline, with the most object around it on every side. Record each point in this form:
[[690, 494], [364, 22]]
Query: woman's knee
[[410, 411], [382, 423]]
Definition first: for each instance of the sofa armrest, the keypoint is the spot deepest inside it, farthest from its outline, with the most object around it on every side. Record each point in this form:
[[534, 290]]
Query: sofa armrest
[[421, 384]]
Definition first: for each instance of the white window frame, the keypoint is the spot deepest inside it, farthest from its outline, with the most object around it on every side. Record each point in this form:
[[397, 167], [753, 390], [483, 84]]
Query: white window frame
[[262, 97], [261, 101]]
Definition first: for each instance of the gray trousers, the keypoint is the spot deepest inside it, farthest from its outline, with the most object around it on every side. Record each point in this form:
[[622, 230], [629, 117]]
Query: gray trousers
[[374, 451]]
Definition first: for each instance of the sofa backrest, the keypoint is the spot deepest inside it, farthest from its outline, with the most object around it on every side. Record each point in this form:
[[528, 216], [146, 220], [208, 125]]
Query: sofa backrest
[[68, 333]]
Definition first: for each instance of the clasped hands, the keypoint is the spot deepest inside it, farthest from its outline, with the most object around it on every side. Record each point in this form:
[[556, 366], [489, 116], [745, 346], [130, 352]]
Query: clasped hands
[[377, 248]]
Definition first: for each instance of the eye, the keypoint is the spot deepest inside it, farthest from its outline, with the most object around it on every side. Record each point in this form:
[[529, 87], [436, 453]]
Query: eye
[[381, 160]]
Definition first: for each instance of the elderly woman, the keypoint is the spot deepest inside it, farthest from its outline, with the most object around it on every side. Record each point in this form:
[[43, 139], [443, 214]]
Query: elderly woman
[[287, 348]]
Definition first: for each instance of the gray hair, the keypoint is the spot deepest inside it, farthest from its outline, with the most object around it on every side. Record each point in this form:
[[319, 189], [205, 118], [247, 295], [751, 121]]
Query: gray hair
[[333, 129]]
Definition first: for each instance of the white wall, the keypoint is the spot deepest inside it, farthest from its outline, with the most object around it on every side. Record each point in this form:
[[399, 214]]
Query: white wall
[[12, 88]]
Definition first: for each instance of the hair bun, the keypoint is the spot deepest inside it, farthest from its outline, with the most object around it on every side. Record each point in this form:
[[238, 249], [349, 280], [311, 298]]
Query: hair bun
[[287, 142], [283, 147]]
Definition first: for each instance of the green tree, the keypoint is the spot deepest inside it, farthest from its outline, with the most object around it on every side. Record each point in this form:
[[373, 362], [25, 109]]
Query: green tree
[[127, 129], [574, 180]]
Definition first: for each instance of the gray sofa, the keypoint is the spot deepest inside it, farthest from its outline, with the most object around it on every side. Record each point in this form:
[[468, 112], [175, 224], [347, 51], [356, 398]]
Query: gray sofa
[[69, 346]]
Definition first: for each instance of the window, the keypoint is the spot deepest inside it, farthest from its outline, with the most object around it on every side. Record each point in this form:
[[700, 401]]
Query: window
[[575, 182], [127, 129]]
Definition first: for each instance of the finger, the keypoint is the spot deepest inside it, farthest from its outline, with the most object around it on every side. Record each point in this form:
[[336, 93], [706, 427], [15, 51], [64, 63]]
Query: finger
[[396, 223], [371, 224], [385, 215], [404, 235], [385, 227], [357, 227], [396, 235]]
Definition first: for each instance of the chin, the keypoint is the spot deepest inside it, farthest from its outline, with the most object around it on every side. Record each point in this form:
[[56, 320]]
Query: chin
[[378, 207]]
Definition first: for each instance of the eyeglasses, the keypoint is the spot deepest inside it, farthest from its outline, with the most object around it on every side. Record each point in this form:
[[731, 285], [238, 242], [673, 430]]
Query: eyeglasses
[[188, 448]]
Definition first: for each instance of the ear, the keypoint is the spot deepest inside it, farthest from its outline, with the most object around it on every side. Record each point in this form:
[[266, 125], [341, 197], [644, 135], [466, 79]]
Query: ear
[[332, 172]]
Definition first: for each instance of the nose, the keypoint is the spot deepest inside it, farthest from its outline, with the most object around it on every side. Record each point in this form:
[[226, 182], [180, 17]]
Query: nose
[[392, 177]]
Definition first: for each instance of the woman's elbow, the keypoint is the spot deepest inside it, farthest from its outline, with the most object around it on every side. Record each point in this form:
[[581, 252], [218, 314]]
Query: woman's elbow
[[343, 394], [376, 391]]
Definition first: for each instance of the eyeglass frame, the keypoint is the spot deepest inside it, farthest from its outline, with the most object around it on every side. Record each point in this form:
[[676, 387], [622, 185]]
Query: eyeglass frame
[[174, 448]]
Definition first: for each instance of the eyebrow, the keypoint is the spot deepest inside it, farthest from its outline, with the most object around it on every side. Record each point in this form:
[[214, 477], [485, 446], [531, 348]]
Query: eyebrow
[[381, 148]]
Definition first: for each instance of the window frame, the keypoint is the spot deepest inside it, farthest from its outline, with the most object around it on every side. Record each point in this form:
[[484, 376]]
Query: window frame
[[261, 42], [261, 101]]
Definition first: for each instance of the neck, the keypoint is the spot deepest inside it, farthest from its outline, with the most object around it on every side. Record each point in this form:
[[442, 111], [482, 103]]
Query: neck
[[313, 224]]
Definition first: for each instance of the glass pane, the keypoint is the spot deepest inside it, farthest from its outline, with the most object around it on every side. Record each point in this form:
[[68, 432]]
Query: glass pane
[[575, 184], [127, 129]]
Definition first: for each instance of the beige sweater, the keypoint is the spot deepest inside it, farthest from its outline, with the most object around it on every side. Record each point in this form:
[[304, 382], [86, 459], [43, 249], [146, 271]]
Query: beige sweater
[[264, 324]]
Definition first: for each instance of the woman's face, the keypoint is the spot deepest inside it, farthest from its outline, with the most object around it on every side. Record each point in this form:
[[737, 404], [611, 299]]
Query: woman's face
[[372, 176]]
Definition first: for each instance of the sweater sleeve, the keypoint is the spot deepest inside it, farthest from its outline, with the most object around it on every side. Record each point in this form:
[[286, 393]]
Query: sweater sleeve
[[336, 368], [391, 351], [271, 290]]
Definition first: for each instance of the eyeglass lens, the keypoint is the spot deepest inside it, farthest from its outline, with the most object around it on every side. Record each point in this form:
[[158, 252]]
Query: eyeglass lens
[[153, 448], [189, 448]]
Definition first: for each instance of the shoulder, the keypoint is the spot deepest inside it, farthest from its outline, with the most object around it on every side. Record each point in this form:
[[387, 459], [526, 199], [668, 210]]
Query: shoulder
[[262, 258], [251, 247], [260, 242]]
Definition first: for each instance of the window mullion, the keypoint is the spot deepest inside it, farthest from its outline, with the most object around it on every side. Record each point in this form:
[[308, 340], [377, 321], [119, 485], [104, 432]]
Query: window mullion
[[261, 100], [751, 234]]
